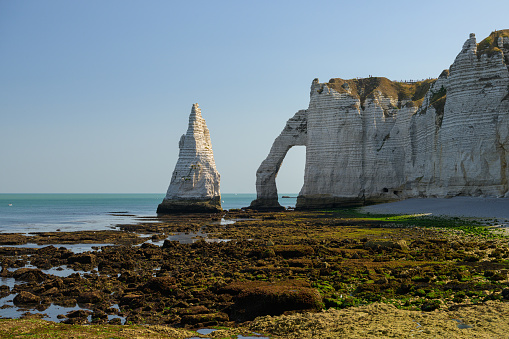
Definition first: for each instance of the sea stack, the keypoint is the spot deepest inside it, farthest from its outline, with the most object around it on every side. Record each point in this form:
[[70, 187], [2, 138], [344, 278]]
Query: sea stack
[[194, 185]]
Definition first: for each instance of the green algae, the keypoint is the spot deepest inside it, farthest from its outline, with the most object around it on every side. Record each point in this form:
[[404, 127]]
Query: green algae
[[350, 258]]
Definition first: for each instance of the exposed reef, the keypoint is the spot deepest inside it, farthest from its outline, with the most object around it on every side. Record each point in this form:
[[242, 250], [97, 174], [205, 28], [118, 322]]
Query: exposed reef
[[376, 140], [263, 264], [194, 185]]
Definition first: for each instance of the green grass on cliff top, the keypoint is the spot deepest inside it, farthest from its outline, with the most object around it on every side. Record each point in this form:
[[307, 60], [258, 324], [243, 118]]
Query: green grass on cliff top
[[489, 45], [364, 88], [415, 92]]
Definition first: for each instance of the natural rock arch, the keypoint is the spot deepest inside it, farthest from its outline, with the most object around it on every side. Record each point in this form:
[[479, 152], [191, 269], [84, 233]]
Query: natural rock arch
[[375, 140], [294, 134]]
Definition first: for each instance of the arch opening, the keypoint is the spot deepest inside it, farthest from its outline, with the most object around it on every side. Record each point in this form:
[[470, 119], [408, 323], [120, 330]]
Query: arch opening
[[290, 177], [294, 134]]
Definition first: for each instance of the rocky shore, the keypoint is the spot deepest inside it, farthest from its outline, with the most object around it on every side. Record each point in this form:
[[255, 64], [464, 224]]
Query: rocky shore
[[277, 274]]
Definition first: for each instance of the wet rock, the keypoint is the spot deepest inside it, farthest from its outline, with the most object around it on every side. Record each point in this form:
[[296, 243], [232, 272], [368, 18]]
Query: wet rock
[[382, 281], [456, 245], [75, 277], [19, 263], [85, 259], [4, 273], [151, 252], [25, 297], [30, 274], [193, 310], [83, 237], [66, 302], [471, 258], [129, 277], [90, 297], [132, 300], [267, 253], [42, 263], [12, 239], [51, 291], [28, 315], [45, 303], [115, 321], [386, 245], [257, 298], [128, 264], [208, 319], [99, 316], [149, 246], [109, 267], [111, 310], [182, 304], [47, 250], [158, 237], [58, 283], [495, 275], [76, 321], [161, 284], [4, 291], [78, 314], [170, 244], [300, 263], [431, 305], [293, 251]]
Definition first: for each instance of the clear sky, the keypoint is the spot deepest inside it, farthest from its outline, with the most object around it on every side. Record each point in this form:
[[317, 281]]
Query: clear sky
[[94, 95]]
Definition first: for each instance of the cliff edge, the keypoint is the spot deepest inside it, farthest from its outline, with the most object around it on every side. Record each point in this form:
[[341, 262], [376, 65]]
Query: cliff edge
[[376, 140]]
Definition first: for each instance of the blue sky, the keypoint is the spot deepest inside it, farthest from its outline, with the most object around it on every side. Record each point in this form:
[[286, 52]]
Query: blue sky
[[94, 95]]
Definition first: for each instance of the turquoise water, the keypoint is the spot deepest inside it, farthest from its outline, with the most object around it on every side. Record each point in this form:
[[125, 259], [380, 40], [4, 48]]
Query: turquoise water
[[25, 213]]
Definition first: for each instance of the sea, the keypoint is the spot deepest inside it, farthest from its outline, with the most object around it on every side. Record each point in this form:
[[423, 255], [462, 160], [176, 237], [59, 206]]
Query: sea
[[28, 213]]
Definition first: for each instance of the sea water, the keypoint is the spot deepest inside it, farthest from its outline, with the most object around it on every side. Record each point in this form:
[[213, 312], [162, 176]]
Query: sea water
[[26, 213]]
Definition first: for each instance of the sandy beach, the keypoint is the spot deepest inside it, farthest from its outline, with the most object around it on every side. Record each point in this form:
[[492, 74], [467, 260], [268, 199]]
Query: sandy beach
[[492, 208]]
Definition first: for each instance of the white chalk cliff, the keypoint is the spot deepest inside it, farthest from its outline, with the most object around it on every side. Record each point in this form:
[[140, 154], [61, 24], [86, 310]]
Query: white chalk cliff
[[375, 140], [194, 185]]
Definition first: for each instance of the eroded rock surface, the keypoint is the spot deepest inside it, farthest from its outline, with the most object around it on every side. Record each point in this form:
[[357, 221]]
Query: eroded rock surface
[[274, 263], [194, 185], [294, 134], [376, 140]]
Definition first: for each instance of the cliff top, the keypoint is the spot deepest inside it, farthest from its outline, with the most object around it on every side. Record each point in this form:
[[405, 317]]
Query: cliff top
[[414, 92], [490, 45], [363, 88]]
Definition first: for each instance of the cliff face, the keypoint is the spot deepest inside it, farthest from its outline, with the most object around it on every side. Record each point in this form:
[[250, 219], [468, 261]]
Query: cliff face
[[468, 152], [374, 140], [194, 185]]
